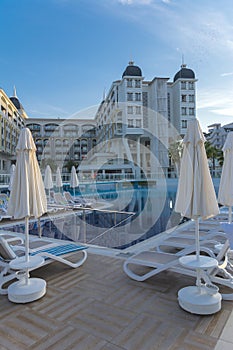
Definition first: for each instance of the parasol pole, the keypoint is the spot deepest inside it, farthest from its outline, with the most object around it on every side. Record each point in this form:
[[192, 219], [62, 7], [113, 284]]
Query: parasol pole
[[26, 239], [27, 247], [198, 281], [197, 239], [230, 215], [39, 228]]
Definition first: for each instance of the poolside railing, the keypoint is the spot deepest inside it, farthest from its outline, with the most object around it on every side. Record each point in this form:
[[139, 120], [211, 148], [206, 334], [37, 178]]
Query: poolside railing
[[5, 178], [108, 230]]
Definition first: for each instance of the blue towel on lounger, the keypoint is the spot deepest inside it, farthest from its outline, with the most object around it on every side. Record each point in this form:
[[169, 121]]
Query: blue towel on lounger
[[60, 249]]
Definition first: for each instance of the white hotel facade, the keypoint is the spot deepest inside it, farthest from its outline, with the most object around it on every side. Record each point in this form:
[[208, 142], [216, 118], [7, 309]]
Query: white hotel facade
[[129, 136], [12, 118], [138, 119]]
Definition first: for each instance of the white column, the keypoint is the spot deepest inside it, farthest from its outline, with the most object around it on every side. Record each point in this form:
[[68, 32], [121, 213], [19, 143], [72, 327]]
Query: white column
[[138, 157]]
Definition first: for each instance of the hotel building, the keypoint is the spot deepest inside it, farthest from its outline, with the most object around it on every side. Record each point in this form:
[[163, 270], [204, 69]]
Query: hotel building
[[129, 135], [217, 134], [61, 141], [136, 121], [12, 119]]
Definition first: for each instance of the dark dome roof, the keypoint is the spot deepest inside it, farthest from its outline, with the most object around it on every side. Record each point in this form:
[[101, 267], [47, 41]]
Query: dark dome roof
[[132, 70], [14, 99], [184, 73], [16, 102]]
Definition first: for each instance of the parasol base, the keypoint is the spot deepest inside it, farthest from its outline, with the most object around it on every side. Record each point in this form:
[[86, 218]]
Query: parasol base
[[199, 301], [25, 292]]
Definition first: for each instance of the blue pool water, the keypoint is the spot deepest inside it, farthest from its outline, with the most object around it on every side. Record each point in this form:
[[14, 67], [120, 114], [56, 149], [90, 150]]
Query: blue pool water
[[152, 205]]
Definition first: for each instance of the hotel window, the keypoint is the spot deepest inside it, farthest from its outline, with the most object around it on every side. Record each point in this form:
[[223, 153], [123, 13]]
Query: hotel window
[[191, 111], [183, 85], [184, 124], [130, 123], [191, 98], [130, 83], [137, 96], [183, 110], [129, 96], [119, 127], [137, 83], [169, 107], [138, 110], [191, 85], [183, 98], [138, 123], [130, 109]]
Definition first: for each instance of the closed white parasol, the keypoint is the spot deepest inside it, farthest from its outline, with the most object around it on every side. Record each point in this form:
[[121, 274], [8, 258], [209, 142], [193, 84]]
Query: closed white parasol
[[48, 180], [27, 199], [225, 193], [74, 182], [196, 199], [196, 196], [59, 183]]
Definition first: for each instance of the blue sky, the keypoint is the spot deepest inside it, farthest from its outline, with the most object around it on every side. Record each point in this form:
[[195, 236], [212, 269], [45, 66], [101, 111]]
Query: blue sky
[[62, 54]]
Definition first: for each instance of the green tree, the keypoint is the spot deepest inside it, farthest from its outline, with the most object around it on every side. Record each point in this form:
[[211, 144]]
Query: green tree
[[220, 157], [49, 161], [212, 153], [71, 163], [175, 151]]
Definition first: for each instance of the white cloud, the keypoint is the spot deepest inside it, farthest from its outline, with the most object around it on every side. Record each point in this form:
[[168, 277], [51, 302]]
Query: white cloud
[[86, 113], [200, 30], [214, 106], [226, 74], [135, 2], [201, 39], [47, 110], [37, 113], [216, 101], [224, 111], [210, 99]]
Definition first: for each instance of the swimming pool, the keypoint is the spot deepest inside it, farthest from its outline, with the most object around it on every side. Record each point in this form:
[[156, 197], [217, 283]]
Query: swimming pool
[[153, 208]]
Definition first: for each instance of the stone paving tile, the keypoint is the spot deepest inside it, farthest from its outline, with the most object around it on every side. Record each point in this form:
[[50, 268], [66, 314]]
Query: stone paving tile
[[98, 307]]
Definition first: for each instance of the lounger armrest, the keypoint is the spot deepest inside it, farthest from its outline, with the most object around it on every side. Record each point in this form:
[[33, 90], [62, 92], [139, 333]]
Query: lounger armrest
[[14, 239], [19, 247], [192, 249]]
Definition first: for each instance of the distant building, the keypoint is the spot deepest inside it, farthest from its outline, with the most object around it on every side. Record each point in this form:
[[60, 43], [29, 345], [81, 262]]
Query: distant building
[[62, 140], [228, 127], [217, 134], [182, 99], [135, 119], [12, 119], [130, 134]]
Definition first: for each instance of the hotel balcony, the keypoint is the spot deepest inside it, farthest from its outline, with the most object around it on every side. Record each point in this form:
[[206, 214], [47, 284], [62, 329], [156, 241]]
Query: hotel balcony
[[134, 131]]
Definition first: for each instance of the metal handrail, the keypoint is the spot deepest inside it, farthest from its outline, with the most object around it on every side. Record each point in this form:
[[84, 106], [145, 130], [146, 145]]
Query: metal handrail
[[109, 229]]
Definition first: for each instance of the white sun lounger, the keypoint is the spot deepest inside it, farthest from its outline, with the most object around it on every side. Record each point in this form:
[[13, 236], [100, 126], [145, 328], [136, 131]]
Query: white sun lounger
[[81, 201], [50, 251], [60, 252], [61, 201], [156, 262], [182, 240]]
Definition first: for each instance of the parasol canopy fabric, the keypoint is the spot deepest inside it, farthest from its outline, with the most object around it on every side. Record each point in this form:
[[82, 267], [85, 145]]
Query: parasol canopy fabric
[[27, 196], [195, 195], [225, 193], [58, 178], [74, 182], [48, 180], [12, 173]]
